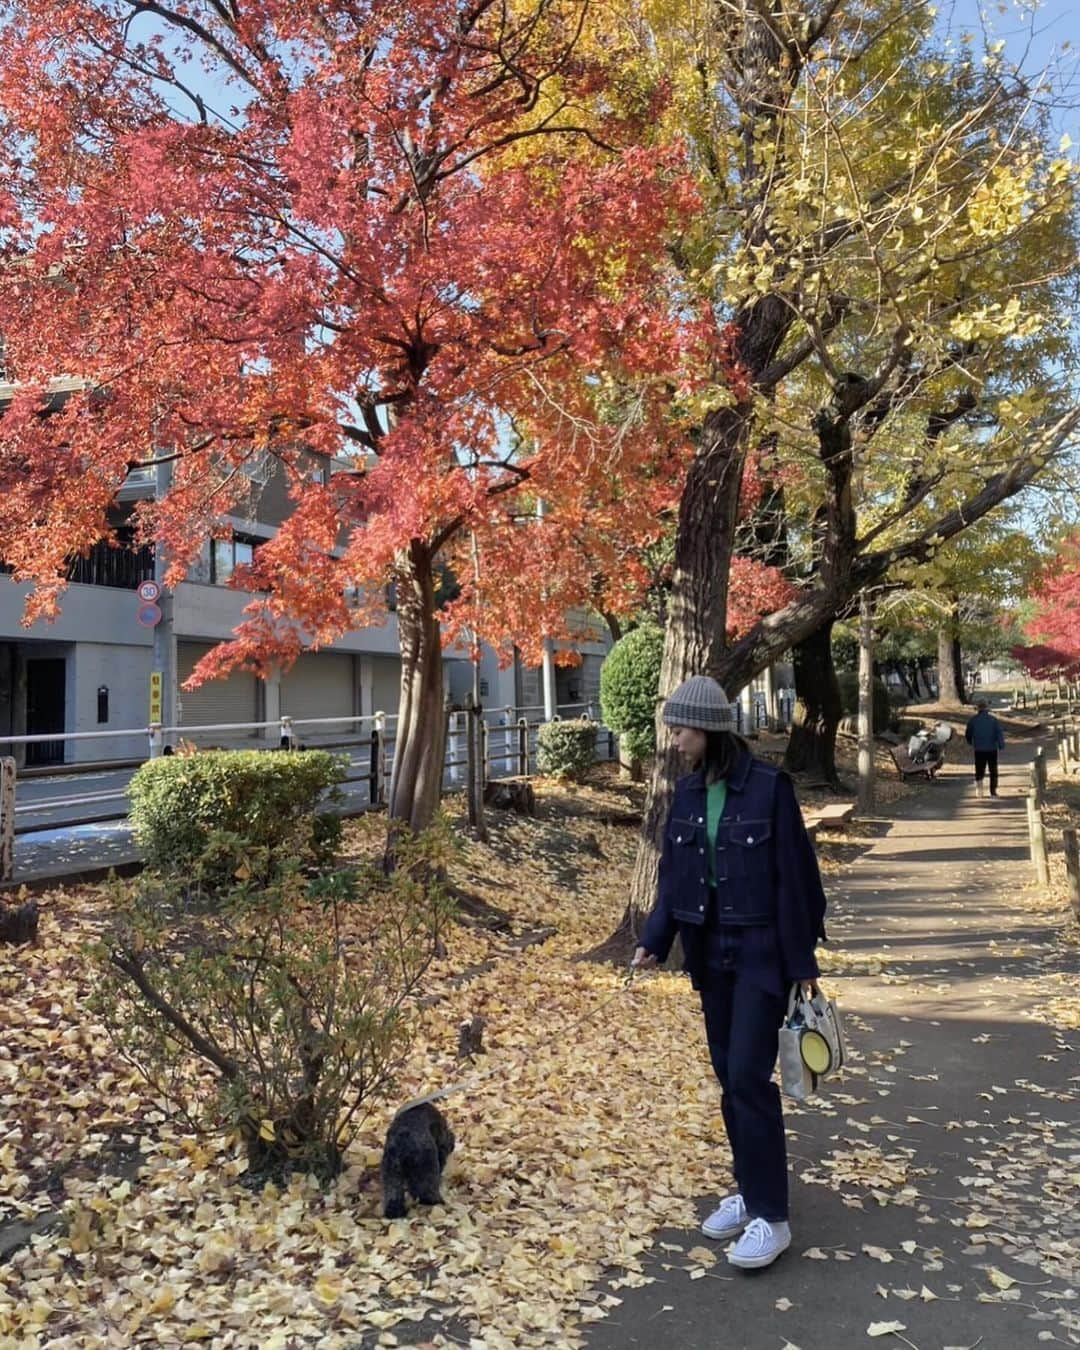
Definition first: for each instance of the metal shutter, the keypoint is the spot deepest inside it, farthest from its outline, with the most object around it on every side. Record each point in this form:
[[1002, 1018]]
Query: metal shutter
[[385, 684], [233, 699], [320, 684]]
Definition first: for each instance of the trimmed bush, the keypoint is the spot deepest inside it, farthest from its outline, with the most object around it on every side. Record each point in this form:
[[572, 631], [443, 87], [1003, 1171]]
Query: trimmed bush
[[210, 815], [629, 688], [282, 1013], [884, 713], [566, 749]]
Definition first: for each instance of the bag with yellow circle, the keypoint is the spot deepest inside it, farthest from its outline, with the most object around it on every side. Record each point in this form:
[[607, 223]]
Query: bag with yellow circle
[[811, 1043]]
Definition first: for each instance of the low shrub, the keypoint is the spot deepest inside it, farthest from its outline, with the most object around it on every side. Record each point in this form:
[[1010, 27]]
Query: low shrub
[[281, 1012], [208, 816], [566, 749]]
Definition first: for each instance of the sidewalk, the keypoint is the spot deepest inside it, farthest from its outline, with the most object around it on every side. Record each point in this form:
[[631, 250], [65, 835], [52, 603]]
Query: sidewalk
[[946, 1165]]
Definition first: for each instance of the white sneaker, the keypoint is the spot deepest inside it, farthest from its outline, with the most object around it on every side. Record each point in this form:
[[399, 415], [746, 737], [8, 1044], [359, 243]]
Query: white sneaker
[[728, 1221], [760, 1244]]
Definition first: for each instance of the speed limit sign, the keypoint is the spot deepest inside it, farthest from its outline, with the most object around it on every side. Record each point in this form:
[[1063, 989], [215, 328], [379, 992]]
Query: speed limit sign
[[149, 591]]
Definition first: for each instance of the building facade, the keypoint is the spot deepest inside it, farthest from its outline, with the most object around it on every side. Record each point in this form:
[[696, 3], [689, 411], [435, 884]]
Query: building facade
[[97, 668]]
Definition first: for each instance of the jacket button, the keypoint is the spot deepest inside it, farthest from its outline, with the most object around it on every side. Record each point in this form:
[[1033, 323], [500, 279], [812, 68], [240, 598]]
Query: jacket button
[[749, 838], [701, 820], [678, 838], [702, 880], [702, 908], [701, 850]]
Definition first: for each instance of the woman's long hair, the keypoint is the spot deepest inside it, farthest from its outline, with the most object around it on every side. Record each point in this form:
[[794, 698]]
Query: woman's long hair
[[723, 750]]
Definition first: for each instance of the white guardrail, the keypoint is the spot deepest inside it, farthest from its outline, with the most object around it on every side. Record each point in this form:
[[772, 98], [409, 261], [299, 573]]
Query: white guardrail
[[508, 738]]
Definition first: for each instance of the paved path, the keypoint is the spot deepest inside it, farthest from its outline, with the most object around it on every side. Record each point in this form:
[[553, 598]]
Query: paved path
[[952, 1147]]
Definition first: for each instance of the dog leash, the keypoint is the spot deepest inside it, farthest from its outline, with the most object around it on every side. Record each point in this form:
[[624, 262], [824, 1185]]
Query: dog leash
[[468, 1083]]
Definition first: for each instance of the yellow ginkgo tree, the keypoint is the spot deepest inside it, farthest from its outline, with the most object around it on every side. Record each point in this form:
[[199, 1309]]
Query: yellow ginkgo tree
[[890, 235]]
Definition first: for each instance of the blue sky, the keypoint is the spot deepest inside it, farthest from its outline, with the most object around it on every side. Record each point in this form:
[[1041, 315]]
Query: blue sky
[[1034, 36]]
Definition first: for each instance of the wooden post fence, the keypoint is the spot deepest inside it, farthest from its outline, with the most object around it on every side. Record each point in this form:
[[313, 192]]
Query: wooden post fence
[[1038, 776], [474, 787], [377, 768], [523, 746], [1037, 839], [1072, 868], [7, 818]]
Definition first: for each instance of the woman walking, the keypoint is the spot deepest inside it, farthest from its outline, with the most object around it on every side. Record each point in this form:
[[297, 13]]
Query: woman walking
[[739, 882]]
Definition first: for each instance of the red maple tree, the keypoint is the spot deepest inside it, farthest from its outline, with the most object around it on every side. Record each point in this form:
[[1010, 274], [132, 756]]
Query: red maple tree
[[1054, 625], [429, 236]]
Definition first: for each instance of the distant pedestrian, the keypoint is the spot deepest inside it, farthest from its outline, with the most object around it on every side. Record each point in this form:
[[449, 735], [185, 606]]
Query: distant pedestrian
[[739, 882], [985, 736]]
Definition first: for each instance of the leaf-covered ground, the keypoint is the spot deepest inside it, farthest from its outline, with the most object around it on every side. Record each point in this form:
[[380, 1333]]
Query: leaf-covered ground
[[590, 1122], [563, 1166]]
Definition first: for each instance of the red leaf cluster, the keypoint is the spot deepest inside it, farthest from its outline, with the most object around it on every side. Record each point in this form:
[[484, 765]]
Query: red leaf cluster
[[1055, 623], [755, 590], [421, 241]]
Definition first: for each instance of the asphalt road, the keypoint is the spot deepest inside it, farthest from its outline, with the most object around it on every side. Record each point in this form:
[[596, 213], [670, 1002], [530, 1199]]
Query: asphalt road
[[57, 800]]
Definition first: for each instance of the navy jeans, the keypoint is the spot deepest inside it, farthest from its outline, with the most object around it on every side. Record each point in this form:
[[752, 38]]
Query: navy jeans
[[742, 1025], [987, 759]]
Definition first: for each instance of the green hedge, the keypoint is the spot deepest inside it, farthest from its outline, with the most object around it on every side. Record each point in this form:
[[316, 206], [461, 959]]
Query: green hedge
[[629, 688], [884, 712], [566, 749], [208, 815]]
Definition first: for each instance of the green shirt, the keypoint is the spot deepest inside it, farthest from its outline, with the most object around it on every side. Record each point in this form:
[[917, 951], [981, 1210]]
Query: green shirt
[[714, 809]]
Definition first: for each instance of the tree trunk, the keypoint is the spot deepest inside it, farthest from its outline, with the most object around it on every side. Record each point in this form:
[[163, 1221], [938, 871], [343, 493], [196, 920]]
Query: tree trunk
[[695, 630], [812, 746], [697, 610], [950, 669], [416, 781], [866, 705]]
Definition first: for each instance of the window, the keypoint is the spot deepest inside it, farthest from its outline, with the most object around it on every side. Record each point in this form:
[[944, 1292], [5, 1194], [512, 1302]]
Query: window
[[228, 554], [259, 467]]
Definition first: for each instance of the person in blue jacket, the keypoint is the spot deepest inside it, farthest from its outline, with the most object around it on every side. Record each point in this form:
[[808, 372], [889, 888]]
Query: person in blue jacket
[[739, 882], [986, 737]]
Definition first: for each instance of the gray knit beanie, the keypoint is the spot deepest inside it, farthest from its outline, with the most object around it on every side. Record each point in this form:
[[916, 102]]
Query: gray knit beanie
[[699, 702]]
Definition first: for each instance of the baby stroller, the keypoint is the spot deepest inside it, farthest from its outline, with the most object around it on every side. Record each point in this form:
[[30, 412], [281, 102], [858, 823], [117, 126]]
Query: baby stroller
[[927, 746]]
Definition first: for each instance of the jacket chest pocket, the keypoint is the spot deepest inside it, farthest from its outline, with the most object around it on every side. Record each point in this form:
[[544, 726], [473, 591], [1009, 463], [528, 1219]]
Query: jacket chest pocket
[[749, 849], [686, 835]]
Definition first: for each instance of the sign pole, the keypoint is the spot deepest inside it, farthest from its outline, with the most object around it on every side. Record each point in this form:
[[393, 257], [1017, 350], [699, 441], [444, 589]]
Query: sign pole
[[164, 662]]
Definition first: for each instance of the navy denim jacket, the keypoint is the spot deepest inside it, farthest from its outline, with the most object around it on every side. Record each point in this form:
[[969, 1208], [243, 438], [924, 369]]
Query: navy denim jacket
[[984, 733], [766, 870]]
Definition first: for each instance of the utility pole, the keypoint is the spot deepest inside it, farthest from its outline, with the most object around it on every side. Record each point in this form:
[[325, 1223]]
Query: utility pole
[[164, 661], [551, 699]]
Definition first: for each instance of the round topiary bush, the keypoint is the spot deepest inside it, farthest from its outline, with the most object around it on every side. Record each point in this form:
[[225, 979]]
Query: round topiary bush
[[629, 688], [884, 713], [566, 749]]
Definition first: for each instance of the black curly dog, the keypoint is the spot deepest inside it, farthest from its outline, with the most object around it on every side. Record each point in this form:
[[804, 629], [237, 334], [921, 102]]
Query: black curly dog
[[418, 1143]]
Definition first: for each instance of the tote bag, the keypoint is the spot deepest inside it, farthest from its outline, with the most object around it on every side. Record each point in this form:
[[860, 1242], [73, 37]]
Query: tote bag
[[811, 1043]]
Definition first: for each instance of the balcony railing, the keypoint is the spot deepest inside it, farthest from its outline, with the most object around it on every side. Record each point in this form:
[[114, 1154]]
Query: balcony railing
[[120, 567]]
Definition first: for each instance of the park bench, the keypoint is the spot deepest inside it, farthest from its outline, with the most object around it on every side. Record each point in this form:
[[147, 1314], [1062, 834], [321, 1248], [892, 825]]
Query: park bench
[[907, 768]]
